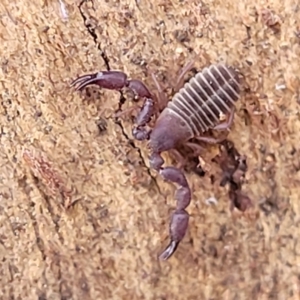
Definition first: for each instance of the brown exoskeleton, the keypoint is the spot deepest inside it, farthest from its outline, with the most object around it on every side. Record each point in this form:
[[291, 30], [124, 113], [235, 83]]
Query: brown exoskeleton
[[194, 109]]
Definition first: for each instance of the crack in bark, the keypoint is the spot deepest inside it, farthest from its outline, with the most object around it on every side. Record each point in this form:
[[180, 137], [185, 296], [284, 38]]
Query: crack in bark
[[122, 99], [56, 226], [93, 34], [39, 240], [55, 218]]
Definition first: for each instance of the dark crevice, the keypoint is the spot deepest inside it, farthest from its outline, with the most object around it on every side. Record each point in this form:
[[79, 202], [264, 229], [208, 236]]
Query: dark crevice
[[234, 167], [39, 240], [54, 217], [122, 99], [60, 280], [55, 220], [132, 144], [93, 34]]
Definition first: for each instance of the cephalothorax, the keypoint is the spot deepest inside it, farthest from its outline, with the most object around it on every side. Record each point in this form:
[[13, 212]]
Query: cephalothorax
[[197, 107]]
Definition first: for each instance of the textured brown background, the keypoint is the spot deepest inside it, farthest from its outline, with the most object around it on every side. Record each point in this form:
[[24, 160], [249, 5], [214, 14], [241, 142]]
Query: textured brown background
[[106, 245]]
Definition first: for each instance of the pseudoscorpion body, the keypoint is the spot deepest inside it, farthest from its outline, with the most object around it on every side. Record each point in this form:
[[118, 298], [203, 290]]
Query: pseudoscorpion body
[[205, 98], [194, 109]]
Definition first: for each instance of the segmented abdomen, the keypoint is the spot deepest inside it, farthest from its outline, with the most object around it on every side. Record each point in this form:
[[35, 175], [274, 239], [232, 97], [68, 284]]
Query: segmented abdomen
[[206, 97]]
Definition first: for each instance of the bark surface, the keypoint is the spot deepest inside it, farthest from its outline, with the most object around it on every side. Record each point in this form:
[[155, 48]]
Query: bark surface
[[82, 217]]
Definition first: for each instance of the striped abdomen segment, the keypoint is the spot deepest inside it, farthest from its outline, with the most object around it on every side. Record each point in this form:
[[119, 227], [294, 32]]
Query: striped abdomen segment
[[209, 95]]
